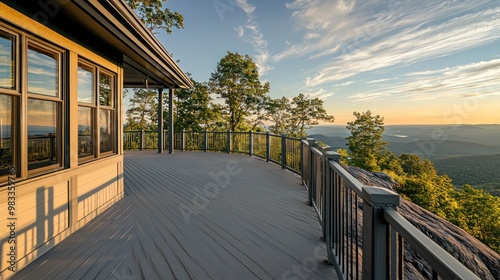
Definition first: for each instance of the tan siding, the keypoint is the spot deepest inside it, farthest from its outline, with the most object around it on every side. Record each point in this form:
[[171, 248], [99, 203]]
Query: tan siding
[[42, 207], [95, 189], [40, 215]]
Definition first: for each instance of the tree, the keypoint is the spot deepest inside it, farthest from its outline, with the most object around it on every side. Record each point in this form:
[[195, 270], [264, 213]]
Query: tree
[[434, 194], [236, 80], [154, 16], [305, 113], [344, 156], [414, 166], [365, 143], [195, 110], [143, 111], [480, 212], [279, 112]]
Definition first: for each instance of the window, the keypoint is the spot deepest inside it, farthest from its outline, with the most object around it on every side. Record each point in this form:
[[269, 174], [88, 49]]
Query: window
[[44, 108], [106, 112], [8, 97], [43, 71], [5, 134], [7, 60], [96, 93]]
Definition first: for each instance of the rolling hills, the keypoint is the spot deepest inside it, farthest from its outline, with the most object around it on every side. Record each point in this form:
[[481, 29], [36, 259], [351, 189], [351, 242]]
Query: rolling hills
[[468, 154]]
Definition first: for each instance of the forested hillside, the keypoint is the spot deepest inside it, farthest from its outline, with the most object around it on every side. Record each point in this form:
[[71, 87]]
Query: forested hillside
[[482, 171]]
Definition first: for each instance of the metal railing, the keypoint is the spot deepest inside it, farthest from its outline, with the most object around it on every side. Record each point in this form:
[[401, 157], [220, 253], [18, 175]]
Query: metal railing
[[365, 236], [279, 149]]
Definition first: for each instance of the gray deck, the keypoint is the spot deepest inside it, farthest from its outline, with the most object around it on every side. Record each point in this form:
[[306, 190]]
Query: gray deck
[[251, 223]]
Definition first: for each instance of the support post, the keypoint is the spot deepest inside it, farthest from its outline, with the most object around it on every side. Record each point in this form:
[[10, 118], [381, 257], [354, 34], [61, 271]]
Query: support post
[[160, 120], [283, 151], [170, 120], [268, 146], [324, 169], [328, 202], [375, 229], [250, 143], [183, 140], [312, 186], [228, 141], [141, 140], [301, 161], [205, 138]]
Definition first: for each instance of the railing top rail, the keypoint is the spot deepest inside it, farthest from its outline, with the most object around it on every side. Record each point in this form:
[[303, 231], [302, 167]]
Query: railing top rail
[[260, 133], [349, 180], [275, 135], [441, 261], [317, 151], [292, 138]]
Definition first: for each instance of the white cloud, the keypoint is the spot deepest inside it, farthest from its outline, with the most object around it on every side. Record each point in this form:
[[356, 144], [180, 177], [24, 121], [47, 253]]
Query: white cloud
[[352, 37], [378, 81], [343, 84], [367, 96], [251, 34], [472, 80], [450, 37], [321, 94], [246, 7]]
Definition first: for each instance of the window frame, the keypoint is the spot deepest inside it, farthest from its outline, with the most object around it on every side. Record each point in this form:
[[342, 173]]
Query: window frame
[[96, 108], [15, 94], [59, 100], [16, 56], [93, 107]]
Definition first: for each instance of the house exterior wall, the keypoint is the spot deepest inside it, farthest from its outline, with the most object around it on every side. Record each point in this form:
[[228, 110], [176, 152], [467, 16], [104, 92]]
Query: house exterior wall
[[50, 205]]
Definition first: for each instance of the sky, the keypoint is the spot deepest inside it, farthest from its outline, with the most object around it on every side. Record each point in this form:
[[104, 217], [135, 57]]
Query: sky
[[410, 61]]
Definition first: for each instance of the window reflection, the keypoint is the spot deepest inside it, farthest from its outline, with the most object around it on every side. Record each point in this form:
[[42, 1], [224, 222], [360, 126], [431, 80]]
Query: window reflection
[[43, 130], [85, 128], [5, 134], [105, 90], [7, 69], [105, 129], [43, 75], [85, 84]]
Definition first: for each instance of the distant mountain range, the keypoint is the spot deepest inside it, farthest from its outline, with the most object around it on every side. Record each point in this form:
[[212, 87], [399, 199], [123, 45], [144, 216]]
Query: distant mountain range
[[468, 154], [428, 141]]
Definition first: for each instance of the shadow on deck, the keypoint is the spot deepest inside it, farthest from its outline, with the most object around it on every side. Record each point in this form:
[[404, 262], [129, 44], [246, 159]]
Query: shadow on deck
[[194, 215]]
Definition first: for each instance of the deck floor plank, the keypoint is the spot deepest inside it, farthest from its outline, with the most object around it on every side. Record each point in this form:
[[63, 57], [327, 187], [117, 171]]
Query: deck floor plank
[[195, 215]]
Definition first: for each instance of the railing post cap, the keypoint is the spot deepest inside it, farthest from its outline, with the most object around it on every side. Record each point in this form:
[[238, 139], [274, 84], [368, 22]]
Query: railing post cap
[[331, 155], [326, 149], [378, 196], [311, 141]]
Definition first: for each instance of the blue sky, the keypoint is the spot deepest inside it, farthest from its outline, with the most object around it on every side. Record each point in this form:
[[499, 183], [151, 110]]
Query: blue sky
[[411, 61]]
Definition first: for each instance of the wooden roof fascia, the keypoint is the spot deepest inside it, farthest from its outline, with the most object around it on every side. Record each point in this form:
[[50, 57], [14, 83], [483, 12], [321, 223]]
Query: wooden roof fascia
[[138, 38]]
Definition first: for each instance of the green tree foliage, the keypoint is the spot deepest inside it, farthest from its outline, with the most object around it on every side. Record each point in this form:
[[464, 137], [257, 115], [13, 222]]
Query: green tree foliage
[[415, 166], [279, 113], [305, 113], [474, 210], [479, 214], [365, 143], [143, 110], [293, 117], [481, 171], [236, 81], [344, 156], [195, 110], [154, 16]]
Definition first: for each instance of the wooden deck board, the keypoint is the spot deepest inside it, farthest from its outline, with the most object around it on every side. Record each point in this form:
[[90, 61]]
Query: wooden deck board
[[248, 221]]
